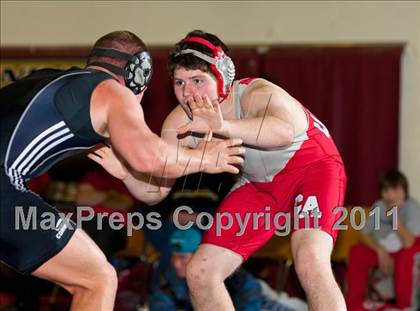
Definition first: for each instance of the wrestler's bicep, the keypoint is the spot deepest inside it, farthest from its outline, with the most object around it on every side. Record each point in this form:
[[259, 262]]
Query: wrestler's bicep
[[129, 133]]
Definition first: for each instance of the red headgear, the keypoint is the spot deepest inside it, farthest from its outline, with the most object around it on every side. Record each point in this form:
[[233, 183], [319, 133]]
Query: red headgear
[[221, 65]]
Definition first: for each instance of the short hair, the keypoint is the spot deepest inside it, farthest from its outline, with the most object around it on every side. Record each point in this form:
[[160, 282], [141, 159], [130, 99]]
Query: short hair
[[190, 61], [123, 41], [393, 179]]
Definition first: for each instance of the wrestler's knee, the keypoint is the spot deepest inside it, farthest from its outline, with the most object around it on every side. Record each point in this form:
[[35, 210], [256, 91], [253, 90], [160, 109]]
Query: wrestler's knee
[[201, 276], [312, 270], [312, 261], [105, 276], [101, 277], [108, 275]]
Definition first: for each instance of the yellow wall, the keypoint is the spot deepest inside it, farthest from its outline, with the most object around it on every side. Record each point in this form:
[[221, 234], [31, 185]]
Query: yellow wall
[[258, 22]]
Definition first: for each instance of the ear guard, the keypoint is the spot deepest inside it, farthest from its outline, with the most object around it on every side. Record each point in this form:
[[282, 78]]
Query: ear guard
[[137, 72], [221, 65]]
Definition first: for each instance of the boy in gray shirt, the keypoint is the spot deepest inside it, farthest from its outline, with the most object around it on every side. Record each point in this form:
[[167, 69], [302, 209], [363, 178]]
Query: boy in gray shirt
[[390, 240]]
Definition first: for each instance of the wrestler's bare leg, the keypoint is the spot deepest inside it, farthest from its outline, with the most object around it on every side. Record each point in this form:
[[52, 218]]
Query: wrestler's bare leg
[[206, 273], [82, 269], [312, 259]]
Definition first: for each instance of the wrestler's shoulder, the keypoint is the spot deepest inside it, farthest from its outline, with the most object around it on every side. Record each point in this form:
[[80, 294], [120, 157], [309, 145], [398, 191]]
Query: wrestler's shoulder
[[111, 86], [278, 95], [112, 92], [259, 85], [176, 117]]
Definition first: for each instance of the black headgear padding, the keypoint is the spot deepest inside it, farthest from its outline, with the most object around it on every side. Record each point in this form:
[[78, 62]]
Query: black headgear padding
[[137, 72], [115, 69], [110, 53]]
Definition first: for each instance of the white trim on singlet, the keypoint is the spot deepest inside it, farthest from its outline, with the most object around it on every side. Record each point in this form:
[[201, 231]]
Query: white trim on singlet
[[16, 175], [17, 179], [41, 148], [6, 169], [45, 150], [61, 151], [34, 142]]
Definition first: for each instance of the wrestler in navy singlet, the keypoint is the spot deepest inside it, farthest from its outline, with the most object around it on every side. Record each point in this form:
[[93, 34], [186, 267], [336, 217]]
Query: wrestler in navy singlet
[[45, 117]]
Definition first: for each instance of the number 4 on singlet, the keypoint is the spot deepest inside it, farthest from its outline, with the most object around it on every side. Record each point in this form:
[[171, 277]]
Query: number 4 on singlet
[[311, 205]]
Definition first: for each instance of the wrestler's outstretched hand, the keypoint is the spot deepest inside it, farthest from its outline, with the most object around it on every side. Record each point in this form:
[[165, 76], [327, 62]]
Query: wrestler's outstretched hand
[[221, 156], [105, 156], [206, 116]]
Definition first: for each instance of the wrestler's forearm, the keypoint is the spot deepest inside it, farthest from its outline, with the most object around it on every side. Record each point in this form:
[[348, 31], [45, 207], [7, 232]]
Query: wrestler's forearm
[[264, 132], [146, 188], [177, 161], [169, 163]]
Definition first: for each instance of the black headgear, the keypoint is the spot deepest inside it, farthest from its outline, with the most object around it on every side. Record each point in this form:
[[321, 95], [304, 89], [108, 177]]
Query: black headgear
[[137, 72]]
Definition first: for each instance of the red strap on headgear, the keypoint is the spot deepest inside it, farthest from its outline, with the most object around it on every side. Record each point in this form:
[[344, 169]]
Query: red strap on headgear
[[218, 53]]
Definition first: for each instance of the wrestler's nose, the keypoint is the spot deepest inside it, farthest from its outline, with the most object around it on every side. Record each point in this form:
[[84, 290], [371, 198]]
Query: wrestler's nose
[[189, 90]]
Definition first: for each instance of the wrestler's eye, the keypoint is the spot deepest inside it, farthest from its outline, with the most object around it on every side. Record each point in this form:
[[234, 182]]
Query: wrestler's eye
[[179, 83]]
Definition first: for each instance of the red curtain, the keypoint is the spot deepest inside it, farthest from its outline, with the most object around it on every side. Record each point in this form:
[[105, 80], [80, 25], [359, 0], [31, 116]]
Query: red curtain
[[353, 90]]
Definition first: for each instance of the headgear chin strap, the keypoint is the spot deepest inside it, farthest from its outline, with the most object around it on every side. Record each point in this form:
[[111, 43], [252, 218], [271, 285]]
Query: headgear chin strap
[[137, 72], [221, 65]]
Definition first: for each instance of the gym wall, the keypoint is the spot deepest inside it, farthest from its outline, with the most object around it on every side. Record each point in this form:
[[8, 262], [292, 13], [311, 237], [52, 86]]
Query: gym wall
[[66, 23]]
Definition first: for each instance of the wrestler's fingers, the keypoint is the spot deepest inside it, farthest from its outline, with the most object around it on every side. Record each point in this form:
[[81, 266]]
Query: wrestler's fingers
[[231, 169], [207, 102], [236, 151], [191, 103], [102, 152], [198, 101], [94, 157], [236, 160], [107, 150], [233, 142], [99, 147]]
